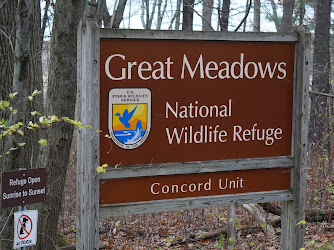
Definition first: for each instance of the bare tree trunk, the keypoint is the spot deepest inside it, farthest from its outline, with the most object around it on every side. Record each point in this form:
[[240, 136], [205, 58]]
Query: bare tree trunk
[[20, 82], [225, 14], [7, 46], [150, 19], [35, 83], [161, 13], [206, 15], [61, 98], [248, 6], [318, 132], [257, 14], [288, 6], [45, 19], [146, 17], [188, 14], [301, 11], [275, 16], [103, 14], [119, 13], [178, 14]]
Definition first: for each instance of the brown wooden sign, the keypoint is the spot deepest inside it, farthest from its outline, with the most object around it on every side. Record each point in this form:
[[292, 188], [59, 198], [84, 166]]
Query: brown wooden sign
[[193, 185], [23, 187], [213, 119], [175, 100]]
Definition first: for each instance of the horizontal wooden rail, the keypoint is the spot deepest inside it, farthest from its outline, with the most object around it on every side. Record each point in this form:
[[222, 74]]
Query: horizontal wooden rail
[[196, 167], [200, 35], [192, 203]]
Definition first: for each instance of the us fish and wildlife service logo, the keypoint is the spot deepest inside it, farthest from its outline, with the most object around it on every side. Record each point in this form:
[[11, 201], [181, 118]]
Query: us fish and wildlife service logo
[[129, 118]]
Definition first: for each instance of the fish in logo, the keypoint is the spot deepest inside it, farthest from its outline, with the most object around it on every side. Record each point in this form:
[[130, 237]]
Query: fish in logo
[[129, 116]]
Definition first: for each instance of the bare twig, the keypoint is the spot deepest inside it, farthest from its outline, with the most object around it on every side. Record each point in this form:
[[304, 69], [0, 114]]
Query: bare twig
[[245, 17], [323, 94]]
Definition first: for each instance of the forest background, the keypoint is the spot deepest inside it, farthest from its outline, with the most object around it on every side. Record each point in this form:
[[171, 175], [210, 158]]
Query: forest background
[[37, 118]]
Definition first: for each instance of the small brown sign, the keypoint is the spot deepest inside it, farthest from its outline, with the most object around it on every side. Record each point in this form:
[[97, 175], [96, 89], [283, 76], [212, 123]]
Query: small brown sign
[[137, 189], [23, 187]]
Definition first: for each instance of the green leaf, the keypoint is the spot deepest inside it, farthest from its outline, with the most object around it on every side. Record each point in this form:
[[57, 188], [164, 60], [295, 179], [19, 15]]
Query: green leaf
[[231, 240], [5, 103], [301, 222], [35, 113], [43, 142], [100, 169], [73, 229], [12, 95], [54, 118], [20, 132], [36, 92], [21, 144]]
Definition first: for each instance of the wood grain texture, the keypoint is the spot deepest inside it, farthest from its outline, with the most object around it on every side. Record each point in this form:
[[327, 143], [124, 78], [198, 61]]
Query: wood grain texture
[[88, 140], [196, 167], [200, 35], [192, 203], [293, 211]]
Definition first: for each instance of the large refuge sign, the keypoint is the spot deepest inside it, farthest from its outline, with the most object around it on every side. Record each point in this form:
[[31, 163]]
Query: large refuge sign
[[192, 120], [194, 100], [166, 101]]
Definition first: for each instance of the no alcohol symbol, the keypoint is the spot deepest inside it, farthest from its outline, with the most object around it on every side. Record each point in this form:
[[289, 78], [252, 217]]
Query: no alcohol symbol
[[24, 226]]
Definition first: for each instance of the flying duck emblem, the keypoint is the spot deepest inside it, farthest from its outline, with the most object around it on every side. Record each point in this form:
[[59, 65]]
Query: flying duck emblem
[[126, 117], [129, 119]]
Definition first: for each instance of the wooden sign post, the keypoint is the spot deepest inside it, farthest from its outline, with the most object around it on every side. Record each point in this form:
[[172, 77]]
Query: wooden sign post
[[191, 120]]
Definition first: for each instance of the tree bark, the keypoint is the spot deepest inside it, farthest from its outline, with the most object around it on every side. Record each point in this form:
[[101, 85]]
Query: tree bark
[[206, 15], [188, 14], [119, 13], [7, 45], [161, 13], [177, 14], [103, 14], [275, 18], [61, 99], [248, 6], [318, 132], [225, 14], [301, 12], [257, 15], [45, 19], [22, 73], [288, 6]]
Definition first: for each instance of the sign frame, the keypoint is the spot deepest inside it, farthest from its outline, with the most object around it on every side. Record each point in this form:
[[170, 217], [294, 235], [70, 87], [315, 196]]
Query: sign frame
[[88, 210]]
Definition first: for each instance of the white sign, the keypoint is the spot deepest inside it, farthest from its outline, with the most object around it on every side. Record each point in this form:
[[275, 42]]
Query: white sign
[[25, 228]]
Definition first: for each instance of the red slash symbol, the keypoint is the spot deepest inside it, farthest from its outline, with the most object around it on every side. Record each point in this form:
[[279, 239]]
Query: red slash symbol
[[23, 226]]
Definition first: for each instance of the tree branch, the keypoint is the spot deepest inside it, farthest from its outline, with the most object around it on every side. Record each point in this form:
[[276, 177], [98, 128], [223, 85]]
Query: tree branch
[[245, 17]]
